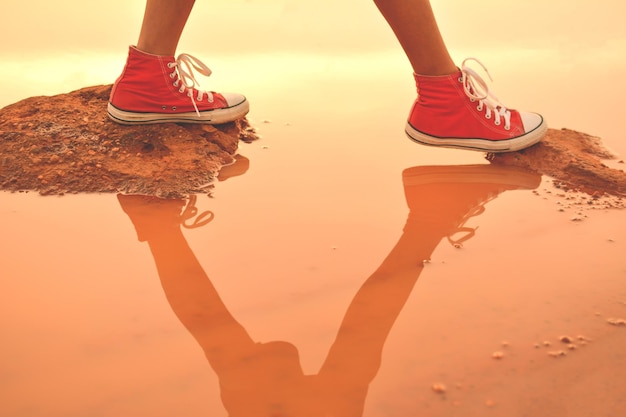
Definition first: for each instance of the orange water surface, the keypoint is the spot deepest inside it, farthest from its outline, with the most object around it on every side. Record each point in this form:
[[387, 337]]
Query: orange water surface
[[338, 269]]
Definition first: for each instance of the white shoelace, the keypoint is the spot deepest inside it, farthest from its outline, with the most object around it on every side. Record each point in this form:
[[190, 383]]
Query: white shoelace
[[185, 79], [477, 90]]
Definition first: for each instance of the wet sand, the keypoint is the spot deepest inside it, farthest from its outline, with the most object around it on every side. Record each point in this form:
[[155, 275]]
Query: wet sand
[[318, 238]]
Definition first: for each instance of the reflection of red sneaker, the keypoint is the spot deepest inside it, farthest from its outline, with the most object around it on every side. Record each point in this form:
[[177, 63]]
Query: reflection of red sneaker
[[160, 89], [442, 198], [152, 215], [458, 111]]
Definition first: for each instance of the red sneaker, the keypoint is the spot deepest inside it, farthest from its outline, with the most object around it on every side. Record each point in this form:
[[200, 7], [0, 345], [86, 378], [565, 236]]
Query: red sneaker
[[161, 89], [459, 111]]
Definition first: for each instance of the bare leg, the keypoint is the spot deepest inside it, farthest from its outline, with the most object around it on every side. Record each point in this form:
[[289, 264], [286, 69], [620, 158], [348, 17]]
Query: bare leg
[[163, 23], [414, 24], [449, 111]]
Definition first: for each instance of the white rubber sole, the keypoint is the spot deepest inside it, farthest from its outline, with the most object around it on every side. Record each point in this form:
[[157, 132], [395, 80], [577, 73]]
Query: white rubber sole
[[481, 145], [214, 117]]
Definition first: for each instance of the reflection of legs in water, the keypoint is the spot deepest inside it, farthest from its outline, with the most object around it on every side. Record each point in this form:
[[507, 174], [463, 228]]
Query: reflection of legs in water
[[266, 378], [440, 199]]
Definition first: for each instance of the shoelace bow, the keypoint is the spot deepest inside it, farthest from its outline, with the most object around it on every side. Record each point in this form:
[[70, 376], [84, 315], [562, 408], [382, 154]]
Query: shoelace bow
[[186, 80], [190, 212], [469, 231], [477, 90]]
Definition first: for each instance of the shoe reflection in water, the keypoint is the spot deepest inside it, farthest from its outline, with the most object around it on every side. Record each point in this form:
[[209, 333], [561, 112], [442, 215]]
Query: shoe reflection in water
[[266, 379]]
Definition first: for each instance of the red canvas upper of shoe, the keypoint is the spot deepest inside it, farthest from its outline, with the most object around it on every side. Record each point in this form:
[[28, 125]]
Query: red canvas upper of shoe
[[444, 110], [146, 85]]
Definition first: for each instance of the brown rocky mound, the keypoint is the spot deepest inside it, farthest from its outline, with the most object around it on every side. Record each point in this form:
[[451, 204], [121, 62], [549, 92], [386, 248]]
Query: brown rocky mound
[[67, 144], [573, 159]]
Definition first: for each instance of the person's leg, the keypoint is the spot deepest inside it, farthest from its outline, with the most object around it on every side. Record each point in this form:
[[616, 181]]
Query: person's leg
[[163, 23], [415, 27], [155, 87], [454, 107]]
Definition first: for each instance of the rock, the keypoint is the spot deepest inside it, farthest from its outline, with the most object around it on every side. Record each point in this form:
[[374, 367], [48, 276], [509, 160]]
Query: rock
[[497, 355], [67, 144], [439, 388], [573, 159]]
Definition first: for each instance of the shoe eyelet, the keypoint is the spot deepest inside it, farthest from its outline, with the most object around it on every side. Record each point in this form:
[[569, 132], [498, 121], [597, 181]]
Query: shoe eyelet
[[172, 75], [488, 116], [170, 65], [181, 89], [164, 107], [507, 127], [479, 107], [472, 99], [497, 122], [173, 108], [460, 79], [176, 83]]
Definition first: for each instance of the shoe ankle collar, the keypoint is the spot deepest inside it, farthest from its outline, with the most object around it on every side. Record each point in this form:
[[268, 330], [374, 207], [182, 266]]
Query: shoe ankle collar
[[136, 51]]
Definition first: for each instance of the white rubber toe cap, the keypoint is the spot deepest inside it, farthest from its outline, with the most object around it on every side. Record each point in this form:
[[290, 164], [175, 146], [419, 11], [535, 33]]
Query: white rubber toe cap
[[233, 99], [531, 121]]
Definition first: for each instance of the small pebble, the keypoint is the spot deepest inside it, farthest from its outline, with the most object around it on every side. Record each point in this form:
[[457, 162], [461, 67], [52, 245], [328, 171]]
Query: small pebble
[[557, 353], [497, 355], [439, 388], [565, 339]]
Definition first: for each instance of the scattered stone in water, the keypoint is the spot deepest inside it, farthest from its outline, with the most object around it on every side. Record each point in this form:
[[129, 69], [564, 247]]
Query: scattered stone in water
[[565, 339], [439, 388], [497, 355], [557, 353]]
